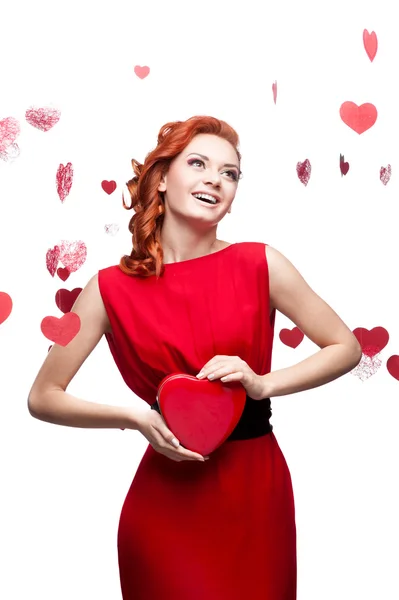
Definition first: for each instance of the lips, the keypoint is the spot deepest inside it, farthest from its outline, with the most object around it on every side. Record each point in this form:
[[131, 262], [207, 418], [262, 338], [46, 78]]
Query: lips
[[208, 194]]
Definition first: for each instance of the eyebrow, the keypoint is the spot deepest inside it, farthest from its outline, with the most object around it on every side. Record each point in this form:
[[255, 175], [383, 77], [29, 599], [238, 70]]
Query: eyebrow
[[206, 158]]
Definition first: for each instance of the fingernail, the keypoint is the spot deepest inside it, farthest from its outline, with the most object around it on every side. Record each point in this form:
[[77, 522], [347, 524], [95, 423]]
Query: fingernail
[[200, 374], [175, 442]]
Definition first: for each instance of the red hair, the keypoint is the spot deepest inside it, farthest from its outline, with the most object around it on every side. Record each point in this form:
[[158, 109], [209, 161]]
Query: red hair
[[146, 258]]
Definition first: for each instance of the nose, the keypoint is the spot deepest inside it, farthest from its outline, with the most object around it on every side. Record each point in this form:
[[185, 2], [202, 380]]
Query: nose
[[212, 178]]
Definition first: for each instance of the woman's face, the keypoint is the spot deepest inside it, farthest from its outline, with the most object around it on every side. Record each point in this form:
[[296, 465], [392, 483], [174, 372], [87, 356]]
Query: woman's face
[[209, 164]]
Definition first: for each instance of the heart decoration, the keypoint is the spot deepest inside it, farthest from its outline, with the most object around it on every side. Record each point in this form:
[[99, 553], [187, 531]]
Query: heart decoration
[[73, 254], [65, 299], [344, 166], [304, 170], [52, 259], [385, 174], [141, 72], [393, 366], [108, 186], [274, 89], [61, 331], [63, 273], [42, 118], [9, 131], [358, 118], [201, 413], [64, 178], [5, 306], [111, 228], [291, 337], [370, 44], [373, 341]]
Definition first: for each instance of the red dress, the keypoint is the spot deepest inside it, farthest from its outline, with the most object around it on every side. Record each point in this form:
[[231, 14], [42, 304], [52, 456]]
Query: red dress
[[223, 529]]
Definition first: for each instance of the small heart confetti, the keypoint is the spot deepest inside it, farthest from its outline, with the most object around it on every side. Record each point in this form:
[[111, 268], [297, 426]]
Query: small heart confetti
[[64, 179], [61, 331], [141, 72], [73, 254], [304, 170], [9, 131], [111, 228], [393, 366], [358, 118], [108, 186], [5, 306], [52, 259], [371, 341], [65, 299], [385, 174], [370, 44], [291, 337], [63, 273], [344, 166], [42, 118], [274, 88]]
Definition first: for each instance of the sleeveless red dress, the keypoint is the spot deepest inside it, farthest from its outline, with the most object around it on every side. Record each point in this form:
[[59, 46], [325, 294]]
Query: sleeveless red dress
[[223, 529]]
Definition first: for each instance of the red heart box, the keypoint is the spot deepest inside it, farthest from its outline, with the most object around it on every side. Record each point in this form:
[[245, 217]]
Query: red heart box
[[201, 413]]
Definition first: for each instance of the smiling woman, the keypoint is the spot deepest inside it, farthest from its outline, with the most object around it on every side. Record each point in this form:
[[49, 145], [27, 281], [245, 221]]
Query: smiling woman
[[186, 302]]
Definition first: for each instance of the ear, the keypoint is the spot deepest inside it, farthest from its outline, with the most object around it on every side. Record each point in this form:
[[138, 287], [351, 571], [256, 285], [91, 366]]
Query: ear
[[162, 184]]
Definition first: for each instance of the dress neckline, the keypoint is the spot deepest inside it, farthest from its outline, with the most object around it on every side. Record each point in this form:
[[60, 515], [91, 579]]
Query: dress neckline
[[199, 258]]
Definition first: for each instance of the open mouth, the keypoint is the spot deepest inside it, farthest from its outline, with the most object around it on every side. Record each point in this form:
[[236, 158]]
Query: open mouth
[[206, 198]]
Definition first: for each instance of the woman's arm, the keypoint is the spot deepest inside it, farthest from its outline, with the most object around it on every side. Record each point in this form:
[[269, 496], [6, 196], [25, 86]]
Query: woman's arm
[[340, 351], [48, 399]]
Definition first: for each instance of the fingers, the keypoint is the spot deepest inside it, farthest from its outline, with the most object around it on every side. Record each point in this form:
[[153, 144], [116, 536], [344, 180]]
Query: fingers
[[167, 444]]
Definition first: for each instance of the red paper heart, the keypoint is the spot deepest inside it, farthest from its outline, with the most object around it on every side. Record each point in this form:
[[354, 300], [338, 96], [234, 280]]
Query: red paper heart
[[304, 170], [65, 299], [64, 180], [358, 118], [372, 342], [63, 273], [108, 186], [5, 306], [141, 72], [393, 366], [52, 259], [42, 118], [344, 166], [370, 44], [61, 331], [200, 413], [291, 337]]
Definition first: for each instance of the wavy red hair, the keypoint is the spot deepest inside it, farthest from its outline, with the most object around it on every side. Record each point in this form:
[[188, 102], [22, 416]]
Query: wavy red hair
[[146, 258]]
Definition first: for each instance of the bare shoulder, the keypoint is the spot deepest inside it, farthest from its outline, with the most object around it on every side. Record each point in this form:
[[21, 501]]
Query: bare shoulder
[[291, 295], [62, 362]]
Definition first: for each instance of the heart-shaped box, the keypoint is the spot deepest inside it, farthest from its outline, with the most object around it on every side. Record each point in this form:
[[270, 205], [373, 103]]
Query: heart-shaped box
[[200, 413]]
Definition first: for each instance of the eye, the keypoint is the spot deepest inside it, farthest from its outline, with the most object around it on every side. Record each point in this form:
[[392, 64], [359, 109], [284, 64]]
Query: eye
[[196, 160], [233, 174]]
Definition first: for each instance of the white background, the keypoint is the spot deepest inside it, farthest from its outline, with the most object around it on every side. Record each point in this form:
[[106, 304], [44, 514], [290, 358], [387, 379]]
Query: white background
[[62, 489]]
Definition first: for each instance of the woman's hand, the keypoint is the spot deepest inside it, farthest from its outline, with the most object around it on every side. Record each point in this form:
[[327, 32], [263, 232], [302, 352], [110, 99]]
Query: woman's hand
[[233, 368], [153, 427]]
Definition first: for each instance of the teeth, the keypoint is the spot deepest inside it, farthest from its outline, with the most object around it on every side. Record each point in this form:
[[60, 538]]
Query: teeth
[[205, 197]]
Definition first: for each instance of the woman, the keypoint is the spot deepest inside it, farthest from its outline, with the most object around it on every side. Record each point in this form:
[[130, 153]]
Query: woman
[[187, 301]]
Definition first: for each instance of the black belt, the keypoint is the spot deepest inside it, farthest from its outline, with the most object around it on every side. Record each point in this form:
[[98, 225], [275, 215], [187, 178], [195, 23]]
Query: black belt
[[254, 421]]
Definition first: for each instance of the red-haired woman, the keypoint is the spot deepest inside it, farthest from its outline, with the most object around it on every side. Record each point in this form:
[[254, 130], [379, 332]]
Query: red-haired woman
[[194, 528]]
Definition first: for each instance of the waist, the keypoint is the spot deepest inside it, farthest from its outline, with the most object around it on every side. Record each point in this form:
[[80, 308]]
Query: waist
[[254, 421]]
